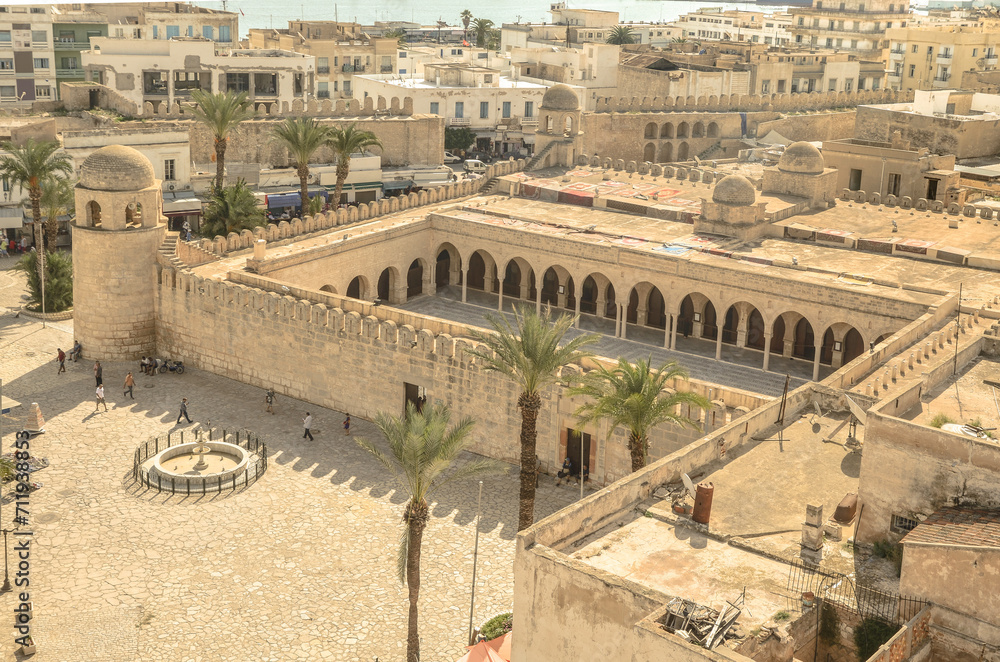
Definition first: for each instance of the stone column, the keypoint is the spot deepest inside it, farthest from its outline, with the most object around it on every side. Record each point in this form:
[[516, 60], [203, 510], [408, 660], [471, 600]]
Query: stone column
[[465, 283], [666, 331], [500, 297], [430, 279], [577, 322], [624, 315], [767, 349], [817, 350], [618, 322], [789, 348], [674, 323], [718, 343], [538, 300], [741, 331], [601, 307], [640, 315]]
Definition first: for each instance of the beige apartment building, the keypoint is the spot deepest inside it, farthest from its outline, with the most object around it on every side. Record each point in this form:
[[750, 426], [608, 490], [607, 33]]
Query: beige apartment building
[[934, 57], [27, 59], [788, 72], [341, 51], [853, 25]]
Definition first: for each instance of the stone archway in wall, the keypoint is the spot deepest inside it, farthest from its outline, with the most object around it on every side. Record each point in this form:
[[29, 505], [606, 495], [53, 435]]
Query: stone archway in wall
[[683, 130], [93, 214], [328, 288], [649, 153], [853, 345], [666, 153], [713, 130], [448, 266], [667, 130], [482, 271], [650, 131], [415, 279], [682, 152], [358, 288]]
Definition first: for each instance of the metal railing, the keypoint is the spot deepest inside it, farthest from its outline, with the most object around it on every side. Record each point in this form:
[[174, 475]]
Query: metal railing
[[243, 438], [323, 70]]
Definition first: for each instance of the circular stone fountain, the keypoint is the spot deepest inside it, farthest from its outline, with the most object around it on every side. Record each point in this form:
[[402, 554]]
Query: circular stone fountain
[[201, 463]]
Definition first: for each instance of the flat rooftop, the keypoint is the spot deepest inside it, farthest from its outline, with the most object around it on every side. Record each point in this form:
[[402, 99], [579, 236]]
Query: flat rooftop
[[503, 82], [968, 399], [759, 502]]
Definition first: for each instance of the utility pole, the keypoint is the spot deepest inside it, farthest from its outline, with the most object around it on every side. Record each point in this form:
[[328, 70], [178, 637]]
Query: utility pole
[[475, 556], [958, 329]]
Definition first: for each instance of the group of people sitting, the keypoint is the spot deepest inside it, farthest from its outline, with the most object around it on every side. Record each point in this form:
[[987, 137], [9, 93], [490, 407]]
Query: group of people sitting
[[149, 365], [567, 472]]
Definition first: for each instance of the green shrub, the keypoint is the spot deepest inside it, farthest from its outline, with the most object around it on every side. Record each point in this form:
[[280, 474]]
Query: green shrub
[[58, 280], [870, 634], [940, 420], [496, 626], [890, 551], [829, 625], [782, 616]]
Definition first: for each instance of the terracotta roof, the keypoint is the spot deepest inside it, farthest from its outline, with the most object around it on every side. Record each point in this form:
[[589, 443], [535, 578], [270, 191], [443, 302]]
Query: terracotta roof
[[973, 527]]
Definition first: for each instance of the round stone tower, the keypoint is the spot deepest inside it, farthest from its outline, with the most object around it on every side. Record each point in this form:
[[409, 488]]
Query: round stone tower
[[117, 232]]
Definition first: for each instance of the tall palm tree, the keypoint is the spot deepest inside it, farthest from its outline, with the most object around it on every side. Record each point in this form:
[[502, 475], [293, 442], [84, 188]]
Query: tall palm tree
[[466, 19], [29, 166], [231, 209], [620, 34], [399, 34], [530, 354], [344, 141], [221, 113], [632, 397], [421, 448], [302, 136], [481, 28], [58, 198]]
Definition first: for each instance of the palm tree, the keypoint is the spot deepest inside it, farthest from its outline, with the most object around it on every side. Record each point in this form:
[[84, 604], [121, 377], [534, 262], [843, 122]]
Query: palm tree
[[231, 209], [399, 34], [493, 39], [481, 28], [58, 267], [29, 166], [631, 396], [302, 136], [530, 354], [344, 141], [58, 199], [466, 19], [620, 34], [421, 448], [221, 113]]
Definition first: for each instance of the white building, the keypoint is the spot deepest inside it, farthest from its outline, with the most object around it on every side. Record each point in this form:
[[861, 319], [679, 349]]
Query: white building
[[501, 111], [593, 67], [168, 71], [717, 24], [411, 60]]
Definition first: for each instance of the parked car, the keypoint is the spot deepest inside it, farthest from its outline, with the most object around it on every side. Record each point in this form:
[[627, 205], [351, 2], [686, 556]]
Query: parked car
[[479, 156], [451, 158], [475, 166]]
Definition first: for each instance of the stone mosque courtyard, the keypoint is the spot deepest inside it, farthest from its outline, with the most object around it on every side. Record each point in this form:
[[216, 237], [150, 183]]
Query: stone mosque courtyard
[[300, 565]]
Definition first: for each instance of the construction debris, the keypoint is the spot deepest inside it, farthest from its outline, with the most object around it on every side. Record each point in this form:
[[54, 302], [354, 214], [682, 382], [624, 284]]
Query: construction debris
[[702, 625]]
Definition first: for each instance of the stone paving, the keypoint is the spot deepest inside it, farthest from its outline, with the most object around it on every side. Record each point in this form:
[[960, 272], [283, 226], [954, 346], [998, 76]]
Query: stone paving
[[302, 565], [736, 369]]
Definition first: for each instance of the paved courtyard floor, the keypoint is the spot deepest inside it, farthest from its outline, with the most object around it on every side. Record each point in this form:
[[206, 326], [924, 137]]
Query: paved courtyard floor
[[301, 565]]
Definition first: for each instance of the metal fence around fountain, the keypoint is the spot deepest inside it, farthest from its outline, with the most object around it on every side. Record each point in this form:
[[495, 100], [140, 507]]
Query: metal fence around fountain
[[243, 438]]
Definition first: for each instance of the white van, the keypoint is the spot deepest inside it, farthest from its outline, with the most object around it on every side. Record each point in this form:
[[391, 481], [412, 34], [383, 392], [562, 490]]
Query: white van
[[474, 166]]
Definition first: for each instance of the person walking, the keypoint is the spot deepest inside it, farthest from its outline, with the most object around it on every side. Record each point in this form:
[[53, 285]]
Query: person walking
[[98, 373], [184, 411], [347, 425], [269, 399], [307, 423], [129, 385], [100, 399], [61, 357]]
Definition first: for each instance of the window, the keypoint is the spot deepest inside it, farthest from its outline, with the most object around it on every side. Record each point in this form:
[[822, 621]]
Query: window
[[435, 108], [335, 86], [224, 33], [930, 50], [207, 32], [237, 83], [506, 109], [459, 109], [322, 65], [832, 85], [484, 109], [43, 92], [529, 108], [185, 81], [323, 90], [781, 87], [67, 63], [39, 36], [41, 62], [801, 21], [974, 51], [190, 30], [402, 72], [488, 78], [402, 54], [347, 87], [7, 64], [5, 36], [903, 524], [765, 87], [265, 84], [848, 84], [7, 91], [482, 56], [169, 171], [156, 32], [913, 70], [914, 49], [894, 181], [173, 31]]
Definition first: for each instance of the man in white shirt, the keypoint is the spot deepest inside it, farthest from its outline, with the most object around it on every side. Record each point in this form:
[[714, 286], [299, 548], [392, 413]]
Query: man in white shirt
[[307, 423], [100, 398]]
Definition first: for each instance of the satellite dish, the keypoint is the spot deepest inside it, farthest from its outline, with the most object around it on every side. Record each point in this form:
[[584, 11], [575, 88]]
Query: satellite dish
[[858, 412], [688, 484]]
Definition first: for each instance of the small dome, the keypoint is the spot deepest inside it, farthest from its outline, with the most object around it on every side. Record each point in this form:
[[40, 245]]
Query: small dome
[[116, 168], [734, 190], [802, 157], [560, 97]]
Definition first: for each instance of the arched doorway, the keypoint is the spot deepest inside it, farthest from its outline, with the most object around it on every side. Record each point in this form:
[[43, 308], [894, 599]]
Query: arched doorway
[[477, 271], [550, 287], [447, 258], [656, 310], [682, 152], [666, 153], [778, 336], [649, 152], [358, 289], [731, 326], [386, 282], [826, 349], [682, 130], [804, 345], [415, 279], [588, 296], [93, 214], [685, 319], [512, 280], [610, 305], [713, 130], [854, 346], [698, 131], [709, 324], [650, 130], [755, 330], [667, 130], [328, 288], [632, 312]]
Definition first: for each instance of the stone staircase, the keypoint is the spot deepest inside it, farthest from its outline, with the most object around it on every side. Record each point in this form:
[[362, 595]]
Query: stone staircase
[[537, 158], [167, 252], [490, 186]]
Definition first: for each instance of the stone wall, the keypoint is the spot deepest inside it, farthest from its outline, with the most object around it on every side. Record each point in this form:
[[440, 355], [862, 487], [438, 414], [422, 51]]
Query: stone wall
[[965, 138], [959, 576], [744, 103], [813, 126]]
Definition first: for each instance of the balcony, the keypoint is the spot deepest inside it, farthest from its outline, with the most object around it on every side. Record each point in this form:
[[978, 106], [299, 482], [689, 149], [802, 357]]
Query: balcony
[[459, 121], [61, 45], [897, 55], [940, 82], [894, 78], [69, 73], [323, 70], [386, 69], [529, 121], [353, 68], [991, 60], [323, 94], [944, 58]]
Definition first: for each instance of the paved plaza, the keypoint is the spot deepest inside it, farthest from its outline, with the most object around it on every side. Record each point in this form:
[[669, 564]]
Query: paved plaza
[[301, 565]]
